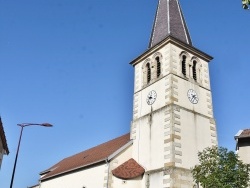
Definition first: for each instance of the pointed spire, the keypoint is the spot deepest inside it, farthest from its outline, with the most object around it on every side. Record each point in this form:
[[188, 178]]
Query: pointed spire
[[169, 21]]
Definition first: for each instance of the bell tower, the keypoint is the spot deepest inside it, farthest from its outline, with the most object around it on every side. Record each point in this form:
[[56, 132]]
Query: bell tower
[[172, 108]]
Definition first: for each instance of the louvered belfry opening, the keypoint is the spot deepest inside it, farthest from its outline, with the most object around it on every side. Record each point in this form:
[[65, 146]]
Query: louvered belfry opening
[[158, 66], [148, 72], [194, 70], [183, 64]]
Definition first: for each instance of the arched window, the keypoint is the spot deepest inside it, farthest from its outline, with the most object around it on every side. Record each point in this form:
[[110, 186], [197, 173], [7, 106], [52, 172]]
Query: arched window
[[148, 72], [158, 65], [194, 70], [183, 65]]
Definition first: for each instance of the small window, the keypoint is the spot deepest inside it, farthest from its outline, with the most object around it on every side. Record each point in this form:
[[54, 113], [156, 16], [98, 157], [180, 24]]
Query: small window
[[183, 64], [158, 73], [148, 72], [194, 70]]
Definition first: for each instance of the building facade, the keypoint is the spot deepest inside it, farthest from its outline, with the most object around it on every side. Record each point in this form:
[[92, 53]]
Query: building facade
[[172, 118], [243, 145]]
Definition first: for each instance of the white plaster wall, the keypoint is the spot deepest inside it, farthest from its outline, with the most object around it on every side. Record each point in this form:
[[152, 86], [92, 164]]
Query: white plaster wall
[[156, 180], [143, 108], [195, 136], [134, 183], [122, 157], [244, 154], [148, 147], [204, 105], [90, 178]]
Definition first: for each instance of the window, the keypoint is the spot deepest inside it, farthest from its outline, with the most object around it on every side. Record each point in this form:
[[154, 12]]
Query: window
[[158, 65], [148, 72], [152, 69], [194, 70], [183, 65]]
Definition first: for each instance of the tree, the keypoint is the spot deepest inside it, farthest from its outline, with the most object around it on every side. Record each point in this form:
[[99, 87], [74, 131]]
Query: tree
[[220, 168], [245, 4]]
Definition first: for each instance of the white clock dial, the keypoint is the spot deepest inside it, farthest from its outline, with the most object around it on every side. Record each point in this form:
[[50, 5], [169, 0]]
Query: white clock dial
[[192, 96], [151, 97]]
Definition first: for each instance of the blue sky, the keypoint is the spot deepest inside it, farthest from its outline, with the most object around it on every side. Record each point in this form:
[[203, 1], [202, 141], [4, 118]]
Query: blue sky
[[67, 63]]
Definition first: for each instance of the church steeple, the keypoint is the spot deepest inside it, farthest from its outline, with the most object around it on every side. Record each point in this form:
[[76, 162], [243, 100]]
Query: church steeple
[[169, 21]]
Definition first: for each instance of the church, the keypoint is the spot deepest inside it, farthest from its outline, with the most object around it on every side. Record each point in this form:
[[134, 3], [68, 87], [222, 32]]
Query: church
[[172, 118]]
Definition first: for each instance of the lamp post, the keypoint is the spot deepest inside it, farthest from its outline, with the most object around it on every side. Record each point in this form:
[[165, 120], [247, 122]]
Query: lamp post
[[22, 125]]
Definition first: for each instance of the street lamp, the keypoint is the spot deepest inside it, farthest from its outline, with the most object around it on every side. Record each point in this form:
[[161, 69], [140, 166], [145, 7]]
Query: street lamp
[[22, 125]]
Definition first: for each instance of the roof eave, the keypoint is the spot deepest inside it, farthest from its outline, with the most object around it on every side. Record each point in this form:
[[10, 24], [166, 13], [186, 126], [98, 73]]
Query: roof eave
[[238, 134], [177, 42]]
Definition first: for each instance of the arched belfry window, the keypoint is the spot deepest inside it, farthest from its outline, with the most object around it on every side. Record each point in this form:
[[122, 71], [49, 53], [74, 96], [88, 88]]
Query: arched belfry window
[[148, 72], [183, 65], [194, 70], [152, 69], [147, 75], [158, 65]]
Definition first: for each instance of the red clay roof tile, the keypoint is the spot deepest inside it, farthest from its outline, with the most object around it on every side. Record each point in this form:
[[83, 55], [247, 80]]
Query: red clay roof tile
[[86, 158], [245, 133], [128, 170]]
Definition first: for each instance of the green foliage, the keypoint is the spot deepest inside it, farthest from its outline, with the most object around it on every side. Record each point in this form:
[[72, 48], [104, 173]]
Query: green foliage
[[220, 168], [245, 4]]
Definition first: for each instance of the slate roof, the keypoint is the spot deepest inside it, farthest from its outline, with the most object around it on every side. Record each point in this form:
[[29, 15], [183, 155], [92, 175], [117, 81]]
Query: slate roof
[[169, 21], [3, 138], [89, 157], [243, 134], [128, 170]]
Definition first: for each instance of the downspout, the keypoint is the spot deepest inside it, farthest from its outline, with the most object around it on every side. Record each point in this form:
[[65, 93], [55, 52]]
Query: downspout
[[148, 181], [107, 162]]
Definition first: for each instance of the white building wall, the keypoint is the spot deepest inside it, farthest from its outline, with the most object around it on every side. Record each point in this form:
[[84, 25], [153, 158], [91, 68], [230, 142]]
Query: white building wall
[[156, 180], [134, 183], [92, 177], [195, 135], [148, 144], [244, 152]]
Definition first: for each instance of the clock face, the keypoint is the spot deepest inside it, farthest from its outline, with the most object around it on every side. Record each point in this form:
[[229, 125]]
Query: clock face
[[192, 96], [151, 97]]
